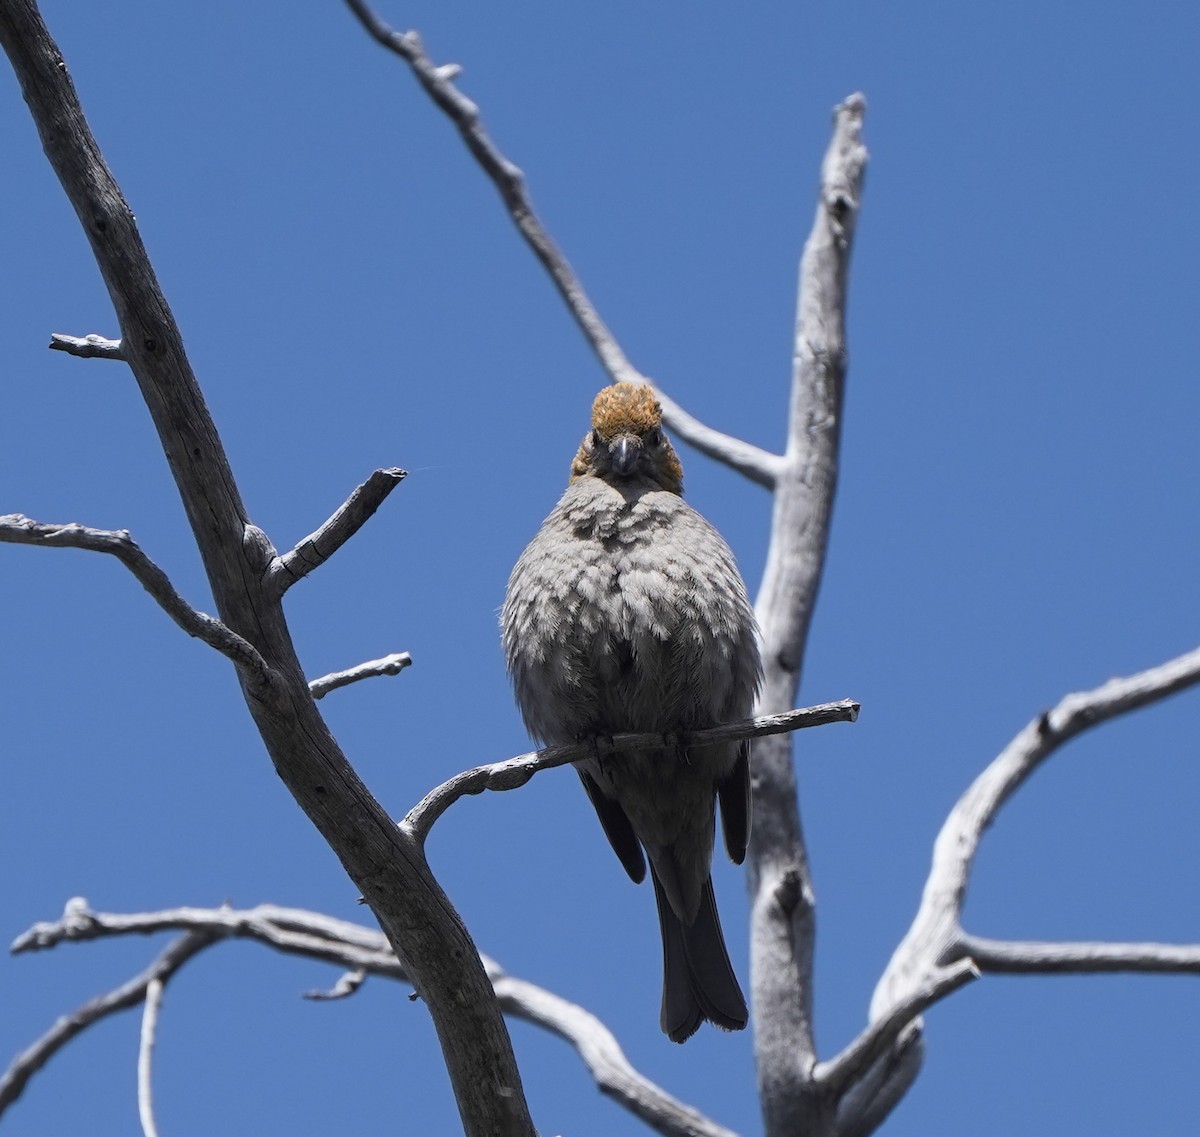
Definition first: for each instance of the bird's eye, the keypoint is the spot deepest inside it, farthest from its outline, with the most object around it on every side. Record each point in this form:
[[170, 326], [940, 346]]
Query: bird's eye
[[654, 437]]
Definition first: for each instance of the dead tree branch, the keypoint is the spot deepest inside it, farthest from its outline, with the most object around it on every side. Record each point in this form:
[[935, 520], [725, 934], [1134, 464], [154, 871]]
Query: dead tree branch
[[936, 947], [389, 665], [150, 1012], [87, 347], [129, 994], [513, 773], [386, 865], [782, 927], [362, 951], [757, 464], [17, 529], [349, 518]]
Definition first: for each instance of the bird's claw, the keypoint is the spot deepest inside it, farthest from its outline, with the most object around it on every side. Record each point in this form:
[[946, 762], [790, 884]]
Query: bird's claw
[[603, 749]]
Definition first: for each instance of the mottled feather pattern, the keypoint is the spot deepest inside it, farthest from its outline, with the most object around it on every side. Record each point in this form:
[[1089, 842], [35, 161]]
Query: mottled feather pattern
[[626, 613], [595, 587]]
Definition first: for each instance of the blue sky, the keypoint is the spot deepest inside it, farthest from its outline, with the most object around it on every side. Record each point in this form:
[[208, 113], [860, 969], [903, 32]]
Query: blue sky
[[1016, 518]]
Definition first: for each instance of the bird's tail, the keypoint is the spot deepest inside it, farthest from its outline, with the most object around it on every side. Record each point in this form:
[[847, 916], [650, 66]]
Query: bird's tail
[[698, 979]]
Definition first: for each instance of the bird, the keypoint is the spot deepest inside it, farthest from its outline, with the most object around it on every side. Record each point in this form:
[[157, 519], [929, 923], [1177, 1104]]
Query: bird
[[627, 613]]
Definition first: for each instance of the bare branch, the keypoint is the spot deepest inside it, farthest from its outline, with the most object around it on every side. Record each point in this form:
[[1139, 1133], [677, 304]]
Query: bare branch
[[513, 773], [936, 932], [350, 517], [87, 347], [871, 1097], [385, 864], [508, 180], [17, 529], [366, 951], [781, 909], [751, 461], [292, 931], [129, 994], [348, 982], [604, 1058], [389, 665], [154, 994], [1046, 958], [873, 1042]]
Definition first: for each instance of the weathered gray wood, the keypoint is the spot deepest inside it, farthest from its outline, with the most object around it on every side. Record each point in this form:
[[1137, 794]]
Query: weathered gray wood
[[386, 865]]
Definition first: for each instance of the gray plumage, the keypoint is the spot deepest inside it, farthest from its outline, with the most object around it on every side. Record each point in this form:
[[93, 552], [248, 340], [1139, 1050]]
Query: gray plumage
[[627, 613]]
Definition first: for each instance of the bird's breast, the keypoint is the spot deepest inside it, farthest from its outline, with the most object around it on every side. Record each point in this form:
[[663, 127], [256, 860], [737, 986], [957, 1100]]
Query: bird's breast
[[630, 617]]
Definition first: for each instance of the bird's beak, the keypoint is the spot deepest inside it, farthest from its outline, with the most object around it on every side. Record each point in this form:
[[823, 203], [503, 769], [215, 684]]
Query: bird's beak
[[624, 452]]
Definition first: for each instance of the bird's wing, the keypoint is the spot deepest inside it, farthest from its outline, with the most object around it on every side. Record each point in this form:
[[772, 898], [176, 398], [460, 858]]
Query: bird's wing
[[617, 829], [733, 792]]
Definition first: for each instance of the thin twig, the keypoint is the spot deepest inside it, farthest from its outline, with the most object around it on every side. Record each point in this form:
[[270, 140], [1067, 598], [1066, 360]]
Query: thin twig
[[512, 773], [87, 347], [318, 547], [389, 665], [17, 529], [154, 994], [348, 982], [129, 994], [508, 180]]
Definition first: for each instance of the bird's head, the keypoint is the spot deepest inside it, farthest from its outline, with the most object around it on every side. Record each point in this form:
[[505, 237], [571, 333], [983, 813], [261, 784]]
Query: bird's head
[[626, 442]]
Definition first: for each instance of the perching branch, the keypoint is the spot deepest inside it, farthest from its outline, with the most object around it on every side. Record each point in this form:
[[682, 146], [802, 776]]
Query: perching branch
[[365, 951], [755, 463], [389, 665], [351, 516], [87, 347], [513, 773], [17, 529]]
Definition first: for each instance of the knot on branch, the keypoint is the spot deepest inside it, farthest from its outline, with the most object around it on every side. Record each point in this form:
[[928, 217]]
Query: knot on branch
[[78, 923]]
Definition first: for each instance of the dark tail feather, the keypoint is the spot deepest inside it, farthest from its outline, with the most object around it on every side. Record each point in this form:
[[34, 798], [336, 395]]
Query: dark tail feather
[[698, 979]]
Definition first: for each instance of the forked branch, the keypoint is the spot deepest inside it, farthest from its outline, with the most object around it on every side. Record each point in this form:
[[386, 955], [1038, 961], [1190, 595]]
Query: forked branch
[[936, 948], [129, 994], [17, 529], [360, 951]]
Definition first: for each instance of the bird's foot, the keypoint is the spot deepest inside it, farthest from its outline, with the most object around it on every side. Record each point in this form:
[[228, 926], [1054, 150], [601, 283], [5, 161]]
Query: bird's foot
[[603, 750], [676, 741]]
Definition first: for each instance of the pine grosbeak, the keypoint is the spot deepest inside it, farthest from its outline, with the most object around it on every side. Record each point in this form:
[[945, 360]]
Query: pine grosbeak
[[627, 613]]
